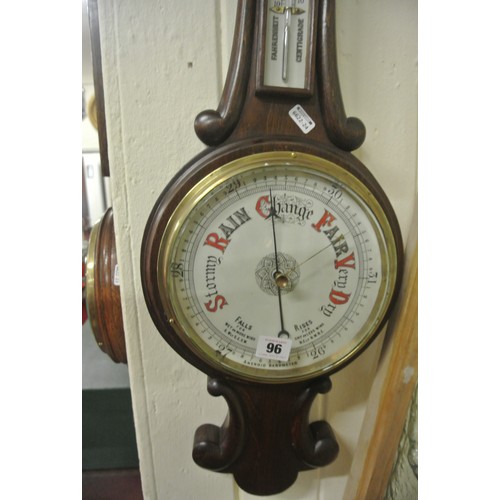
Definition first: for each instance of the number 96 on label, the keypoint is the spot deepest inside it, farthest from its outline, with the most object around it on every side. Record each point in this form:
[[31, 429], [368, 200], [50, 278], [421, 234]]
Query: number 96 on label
[[273, 348]]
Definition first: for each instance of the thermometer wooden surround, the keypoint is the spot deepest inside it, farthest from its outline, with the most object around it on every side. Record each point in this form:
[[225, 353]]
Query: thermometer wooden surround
[[273, 258]]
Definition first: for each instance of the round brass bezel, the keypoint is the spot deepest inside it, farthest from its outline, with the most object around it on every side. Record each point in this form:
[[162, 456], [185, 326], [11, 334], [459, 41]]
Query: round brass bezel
[[292, 160]]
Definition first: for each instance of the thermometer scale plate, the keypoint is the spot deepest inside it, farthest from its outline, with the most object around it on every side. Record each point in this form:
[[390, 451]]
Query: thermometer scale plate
[[286, 62]]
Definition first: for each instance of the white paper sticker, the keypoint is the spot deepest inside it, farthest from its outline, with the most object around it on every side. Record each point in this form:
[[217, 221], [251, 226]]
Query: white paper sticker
[[301, 118], [116, 277], [274, 348]]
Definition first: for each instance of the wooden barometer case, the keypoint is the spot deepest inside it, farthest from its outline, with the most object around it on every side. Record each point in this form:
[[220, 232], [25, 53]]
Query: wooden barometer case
[[103, 298], [273, 258]]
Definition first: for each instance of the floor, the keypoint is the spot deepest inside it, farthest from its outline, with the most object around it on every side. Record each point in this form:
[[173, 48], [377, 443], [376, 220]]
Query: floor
[[112, 485], [109, 460]]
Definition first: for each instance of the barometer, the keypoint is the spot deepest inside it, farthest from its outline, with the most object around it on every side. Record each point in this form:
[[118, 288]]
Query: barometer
[[273, 258], [276, 267]]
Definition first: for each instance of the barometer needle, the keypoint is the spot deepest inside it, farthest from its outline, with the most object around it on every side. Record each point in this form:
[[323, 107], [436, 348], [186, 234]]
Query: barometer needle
[[277, 273]]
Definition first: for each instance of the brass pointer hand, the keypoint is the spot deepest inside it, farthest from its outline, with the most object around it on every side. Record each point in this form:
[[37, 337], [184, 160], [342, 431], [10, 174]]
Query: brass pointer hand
[[314, 255], [286, 275]]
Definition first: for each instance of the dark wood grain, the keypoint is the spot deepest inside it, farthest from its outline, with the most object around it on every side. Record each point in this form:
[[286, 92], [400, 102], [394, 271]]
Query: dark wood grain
[[266, 438]]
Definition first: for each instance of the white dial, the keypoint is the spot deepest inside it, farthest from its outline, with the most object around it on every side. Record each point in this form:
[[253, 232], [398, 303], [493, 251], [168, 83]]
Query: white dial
[[276, 270]]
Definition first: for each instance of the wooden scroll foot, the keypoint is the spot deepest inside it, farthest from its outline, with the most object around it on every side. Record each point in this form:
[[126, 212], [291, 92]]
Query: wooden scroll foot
[[266, 438]]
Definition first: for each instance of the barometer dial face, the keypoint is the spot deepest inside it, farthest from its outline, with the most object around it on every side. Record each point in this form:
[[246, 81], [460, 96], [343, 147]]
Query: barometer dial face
[[277, 267]]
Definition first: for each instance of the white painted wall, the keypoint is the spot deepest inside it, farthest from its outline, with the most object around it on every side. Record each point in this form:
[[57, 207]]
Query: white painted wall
[[152, 95]]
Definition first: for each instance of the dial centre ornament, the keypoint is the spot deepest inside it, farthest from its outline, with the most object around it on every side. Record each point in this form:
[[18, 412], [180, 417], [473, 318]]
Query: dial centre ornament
[[325, 280], [286, 277]]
